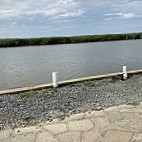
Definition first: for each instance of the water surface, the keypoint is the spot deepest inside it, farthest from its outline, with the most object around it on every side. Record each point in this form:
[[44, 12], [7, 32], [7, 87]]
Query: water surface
[[32, 65]]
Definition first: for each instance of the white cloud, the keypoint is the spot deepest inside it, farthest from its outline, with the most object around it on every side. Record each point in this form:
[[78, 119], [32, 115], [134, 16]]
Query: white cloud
[[128, 15], [44, 12], [74, 13], [13, 23], [121, 15], [15, 8]]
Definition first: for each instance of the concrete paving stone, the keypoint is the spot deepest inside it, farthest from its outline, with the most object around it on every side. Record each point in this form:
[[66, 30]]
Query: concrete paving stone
[[32, 129], [71, 136], [117, 136], [114, 116], [131, 122], [45, 137], [93, 114], [101, 122], [52, 122], [81, 125], [6, 140], [74, 117], [102, 125], [56, 128], [131, 116], [136, 138], [92, 136], [5, 134], [30, 137], [130, 110]]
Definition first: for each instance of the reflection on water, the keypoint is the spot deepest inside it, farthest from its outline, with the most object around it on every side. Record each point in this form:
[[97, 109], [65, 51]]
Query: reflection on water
[[33, 65]]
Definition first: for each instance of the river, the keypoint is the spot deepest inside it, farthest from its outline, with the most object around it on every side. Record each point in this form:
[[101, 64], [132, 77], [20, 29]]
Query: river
[[33, 65]]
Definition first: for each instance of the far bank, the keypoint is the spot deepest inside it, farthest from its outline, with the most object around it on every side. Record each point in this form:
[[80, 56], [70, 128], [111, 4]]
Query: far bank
[[15, 42]]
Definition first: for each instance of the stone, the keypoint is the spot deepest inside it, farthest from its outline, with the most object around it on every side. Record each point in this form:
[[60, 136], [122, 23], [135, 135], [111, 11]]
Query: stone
[[101, 127], [32, 129], [52, 122], [126, 121], [5, 134], [93, 114], [81, 125], [136, 138], [114, 116], [56, 128], [74, 117], [70, 137], [101, 123], [45, 137], [92, 136], [6, 140], [30, 137], [117, 136]]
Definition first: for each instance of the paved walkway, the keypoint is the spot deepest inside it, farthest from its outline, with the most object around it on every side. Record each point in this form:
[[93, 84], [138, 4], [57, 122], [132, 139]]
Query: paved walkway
[[116, 124]]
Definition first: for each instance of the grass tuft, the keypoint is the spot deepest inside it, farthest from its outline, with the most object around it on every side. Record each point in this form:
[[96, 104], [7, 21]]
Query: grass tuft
[[89, 83], [23, 102], [77, 85], [112, 79], [47, 94], [27, 118], [30, 94], [133, 103]]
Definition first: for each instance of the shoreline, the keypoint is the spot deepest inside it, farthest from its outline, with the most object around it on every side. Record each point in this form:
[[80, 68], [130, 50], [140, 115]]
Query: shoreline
[[30, 108], [67, 82]]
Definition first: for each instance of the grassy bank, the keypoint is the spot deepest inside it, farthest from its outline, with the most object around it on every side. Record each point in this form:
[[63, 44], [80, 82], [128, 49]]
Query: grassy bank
[[65, 40]]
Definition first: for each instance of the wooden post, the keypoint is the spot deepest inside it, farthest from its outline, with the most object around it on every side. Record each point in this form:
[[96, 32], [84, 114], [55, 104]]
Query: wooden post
[[125, 72], [54, 79]]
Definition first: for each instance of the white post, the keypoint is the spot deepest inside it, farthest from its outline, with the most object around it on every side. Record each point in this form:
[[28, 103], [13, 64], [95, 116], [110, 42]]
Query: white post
[[125, 72], [54, 79]]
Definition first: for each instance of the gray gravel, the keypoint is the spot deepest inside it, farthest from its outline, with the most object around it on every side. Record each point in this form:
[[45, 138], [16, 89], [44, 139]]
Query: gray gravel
[[24, 109]]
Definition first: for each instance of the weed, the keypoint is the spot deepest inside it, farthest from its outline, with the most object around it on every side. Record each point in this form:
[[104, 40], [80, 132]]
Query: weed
[[50, 95], [47, 94], [23, 102], [30, 94], [89, 83], [44, 91], [112, 79], [77, 85], [133, 103], [43, 110], [99, 84], [27, 118]]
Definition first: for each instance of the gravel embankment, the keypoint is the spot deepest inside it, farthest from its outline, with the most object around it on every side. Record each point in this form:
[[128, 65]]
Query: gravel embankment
[[28, 108]]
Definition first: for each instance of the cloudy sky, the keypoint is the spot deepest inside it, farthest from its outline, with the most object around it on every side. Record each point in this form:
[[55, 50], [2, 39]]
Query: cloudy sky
[[44, 18]]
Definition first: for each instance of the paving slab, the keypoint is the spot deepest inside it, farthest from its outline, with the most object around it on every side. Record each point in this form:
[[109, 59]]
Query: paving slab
[[117, 136], [19, 131], [115, 124], [30, 137], [81, 125], [45, 137], [74, 117], [136, 138], [56, 128], [92, 114], [5, 134], [70, 136], [92, 136]]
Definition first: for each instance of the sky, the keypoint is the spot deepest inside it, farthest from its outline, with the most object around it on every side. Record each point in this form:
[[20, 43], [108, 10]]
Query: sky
[[46, 18]]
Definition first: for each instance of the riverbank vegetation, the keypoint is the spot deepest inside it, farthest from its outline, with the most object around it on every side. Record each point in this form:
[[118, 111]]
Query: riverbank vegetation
[[66, 40]]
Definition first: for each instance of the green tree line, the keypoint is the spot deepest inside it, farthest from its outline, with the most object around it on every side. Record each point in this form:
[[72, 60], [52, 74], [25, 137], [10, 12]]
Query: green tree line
[[12, 42]]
